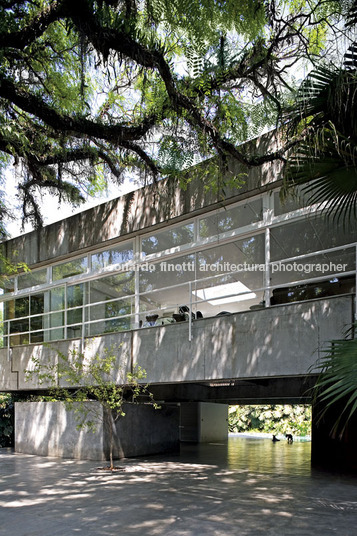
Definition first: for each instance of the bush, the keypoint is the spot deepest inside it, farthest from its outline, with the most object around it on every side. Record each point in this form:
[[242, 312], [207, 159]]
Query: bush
[[6, 420], [293, 419]]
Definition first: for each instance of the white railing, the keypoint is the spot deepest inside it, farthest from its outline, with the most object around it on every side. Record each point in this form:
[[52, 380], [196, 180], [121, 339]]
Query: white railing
[[132, 320]]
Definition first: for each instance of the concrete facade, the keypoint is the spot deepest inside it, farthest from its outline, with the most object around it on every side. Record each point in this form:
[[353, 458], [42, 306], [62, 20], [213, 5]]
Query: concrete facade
[[271, 341], [152, 207], [49, 429], [276, 342]]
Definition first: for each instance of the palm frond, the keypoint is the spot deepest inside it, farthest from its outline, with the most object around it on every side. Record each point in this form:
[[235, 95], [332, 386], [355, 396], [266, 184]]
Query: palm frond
[[350, 59], [351, 17], [324, 116], [337, 381]]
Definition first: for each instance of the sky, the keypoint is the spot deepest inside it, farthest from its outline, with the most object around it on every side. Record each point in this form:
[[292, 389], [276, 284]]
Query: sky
[[52, 210]]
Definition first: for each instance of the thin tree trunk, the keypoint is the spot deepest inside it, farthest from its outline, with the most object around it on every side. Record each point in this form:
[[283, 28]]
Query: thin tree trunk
[[111, 424]]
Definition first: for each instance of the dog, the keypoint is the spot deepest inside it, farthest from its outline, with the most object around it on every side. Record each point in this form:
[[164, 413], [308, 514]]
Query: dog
[[275, 439], [289, 437]]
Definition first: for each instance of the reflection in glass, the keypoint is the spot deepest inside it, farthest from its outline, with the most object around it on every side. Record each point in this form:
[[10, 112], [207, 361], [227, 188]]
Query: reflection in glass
[[118, 255], [75, 296], [69, 269], [2, 326], [18, 309], [7, 285], [314, 266], [55, 321], [174, 274], [30, 279], [231, 218], [36, 322], [229, 276], [310, 234], [170, 238], [104, 292]]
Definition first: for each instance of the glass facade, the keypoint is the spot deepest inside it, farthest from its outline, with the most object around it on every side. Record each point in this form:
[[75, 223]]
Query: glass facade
[[255, 254]]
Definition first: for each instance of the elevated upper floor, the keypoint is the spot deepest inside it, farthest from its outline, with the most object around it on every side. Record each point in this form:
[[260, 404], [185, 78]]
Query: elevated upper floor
[[186, 268], [283, 341]]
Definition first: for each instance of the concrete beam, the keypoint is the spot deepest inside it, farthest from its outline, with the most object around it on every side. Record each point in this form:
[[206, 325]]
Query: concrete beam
[[284, 390]]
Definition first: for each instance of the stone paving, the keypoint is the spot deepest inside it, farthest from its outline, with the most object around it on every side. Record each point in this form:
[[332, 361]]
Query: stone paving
[[203, 492]]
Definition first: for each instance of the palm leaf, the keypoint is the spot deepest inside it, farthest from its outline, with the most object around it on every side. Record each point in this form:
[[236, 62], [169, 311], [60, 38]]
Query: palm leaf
[[351, 18], [337, 381], [325, 116]]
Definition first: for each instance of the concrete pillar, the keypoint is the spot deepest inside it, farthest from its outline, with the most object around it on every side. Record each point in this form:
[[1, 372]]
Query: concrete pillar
[[329, 451], [203, 422], [49, 429]]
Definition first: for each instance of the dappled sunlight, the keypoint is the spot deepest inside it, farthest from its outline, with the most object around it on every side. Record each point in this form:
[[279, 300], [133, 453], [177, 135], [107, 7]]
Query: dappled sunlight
[[277, 341], [204, 490]]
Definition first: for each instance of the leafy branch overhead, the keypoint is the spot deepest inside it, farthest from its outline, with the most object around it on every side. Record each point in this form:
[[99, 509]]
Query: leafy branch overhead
[[91, 88]]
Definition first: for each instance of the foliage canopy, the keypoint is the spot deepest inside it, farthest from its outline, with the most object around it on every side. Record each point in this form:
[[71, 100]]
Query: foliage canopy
[[91, 88], [271, 418]]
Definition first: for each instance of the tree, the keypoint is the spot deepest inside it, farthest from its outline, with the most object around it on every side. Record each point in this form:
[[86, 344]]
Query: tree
[[6, 420], [93, 88], [271, 419], [324, 116], [324, 113], [75, 380], [337, 381]]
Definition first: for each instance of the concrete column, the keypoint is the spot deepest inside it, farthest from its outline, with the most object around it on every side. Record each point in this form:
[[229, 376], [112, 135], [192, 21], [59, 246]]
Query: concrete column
[[329, 451], [49, 429], [202, 422]]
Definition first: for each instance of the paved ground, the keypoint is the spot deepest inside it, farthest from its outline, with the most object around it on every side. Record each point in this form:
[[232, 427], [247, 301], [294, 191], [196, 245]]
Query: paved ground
[[167, 496]]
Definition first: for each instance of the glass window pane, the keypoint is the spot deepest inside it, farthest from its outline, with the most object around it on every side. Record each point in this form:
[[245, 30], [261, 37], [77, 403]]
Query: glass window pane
[[30, 279], [230, 276], [118, 255], [36, 322], [155, 299], [164, 290], [2, 326], [113, 286], [69, 269], [297, 198], [18, 308], [293, 202], [314, 266], [75, 298], [22, 307], [231, 218], [107, 290], [56, 323], [308, 235], [112, 316], [56, 298], [7, 285], [168, 239]]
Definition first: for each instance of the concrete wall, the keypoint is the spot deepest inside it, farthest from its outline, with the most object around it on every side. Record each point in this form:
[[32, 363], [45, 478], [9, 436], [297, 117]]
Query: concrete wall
[[49, 429], [278, 341], [150, 207], [202, 422], [145, 430]]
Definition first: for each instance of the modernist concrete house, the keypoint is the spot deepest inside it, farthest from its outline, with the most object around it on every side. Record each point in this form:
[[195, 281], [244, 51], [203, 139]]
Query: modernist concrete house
[[221, 300]]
